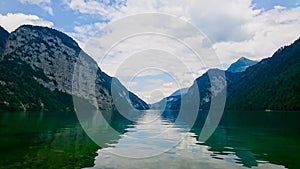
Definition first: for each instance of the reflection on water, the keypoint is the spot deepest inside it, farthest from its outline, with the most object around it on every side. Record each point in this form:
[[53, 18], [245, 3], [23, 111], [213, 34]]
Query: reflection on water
[[40, 140], [255, 146], [57, 140], [174, 146]]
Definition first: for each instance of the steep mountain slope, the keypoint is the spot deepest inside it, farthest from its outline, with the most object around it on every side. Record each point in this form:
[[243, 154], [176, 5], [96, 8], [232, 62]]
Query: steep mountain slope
[[272, 83], [53, 62], [19, 90], [241, 65], [205, 88], [3, 37]]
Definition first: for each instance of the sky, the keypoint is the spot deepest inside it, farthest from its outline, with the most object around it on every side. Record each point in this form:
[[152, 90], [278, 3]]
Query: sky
[[155, 65]]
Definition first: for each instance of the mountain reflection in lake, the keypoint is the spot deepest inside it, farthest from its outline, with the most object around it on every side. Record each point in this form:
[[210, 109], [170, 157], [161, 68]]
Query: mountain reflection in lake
[[57, 140], [229, 147]]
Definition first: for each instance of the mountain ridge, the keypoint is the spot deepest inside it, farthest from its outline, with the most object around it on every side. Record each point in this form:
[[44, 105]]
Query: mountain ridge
[[62, 67], [271, 84], [52, 59], [241, 65]]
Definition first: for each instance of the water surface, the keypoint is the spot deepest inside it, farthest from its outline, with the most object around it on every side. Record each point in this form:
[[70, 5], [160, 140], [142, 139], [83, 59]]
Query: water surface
[[57, 140], [156, 142]]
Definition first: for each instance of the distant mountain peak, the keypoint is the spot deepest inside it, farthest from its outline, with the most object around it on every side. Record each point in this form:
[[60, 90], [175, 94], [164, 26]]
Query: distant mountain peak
[[271, 84], [241, 65], [243, 58]]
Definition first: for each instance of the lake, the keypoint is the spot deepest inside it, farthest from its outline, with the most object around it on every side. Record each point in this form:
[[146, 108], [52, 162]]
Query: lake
[[58, 140]]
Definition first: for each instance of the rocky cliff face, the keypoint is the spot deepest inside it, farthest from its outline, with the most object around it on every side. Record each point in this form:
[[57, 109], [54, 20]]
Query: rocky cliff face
[[209, 85], [45, 48], [66, 67]]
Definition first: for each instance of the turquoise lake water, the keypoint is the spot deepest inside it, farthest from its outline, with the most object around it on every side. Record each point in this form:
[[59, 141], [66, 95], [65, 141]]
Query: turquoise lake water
[[57, 140]]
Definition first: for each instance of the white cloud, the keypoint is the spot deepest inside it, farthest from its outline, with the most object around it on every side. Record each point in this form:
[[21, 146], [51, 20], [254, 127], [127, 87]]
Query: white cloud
[[222, 20], [278, 7], [83, 33], [11, 21], [44, 4], [153, 88], [234, 27], [103, 8], [168, 84], [164, 50], [232, 22], [271, 30]]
